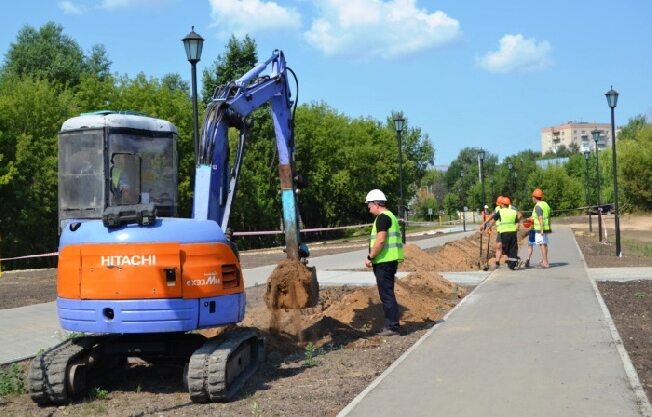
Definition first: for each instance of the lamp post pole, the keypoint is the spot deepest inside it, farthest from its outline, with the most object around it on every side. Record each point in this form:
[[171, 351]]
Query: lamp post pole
[[193, 44], [399, 122], [462, 201], [587, 155], [612, 101], [481, 155], [596, 138]]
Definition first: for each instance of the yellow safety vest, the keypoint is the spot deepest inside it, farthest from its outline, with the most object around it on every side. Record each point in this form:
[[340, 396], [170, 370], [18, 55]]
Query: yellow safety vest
[[546, 217], [507, 220], [393, 247]]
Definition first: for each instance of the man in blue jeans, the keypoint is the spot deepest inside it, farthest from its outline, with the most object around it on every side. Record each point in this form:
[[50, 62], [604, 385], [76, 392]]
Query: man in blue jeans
[[385, 252]]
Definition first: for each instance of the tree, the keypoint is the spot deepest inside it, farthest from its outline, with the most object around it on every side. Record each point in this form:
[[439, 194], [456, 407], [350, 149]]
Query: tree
[[634, 128], [50, 55], [635, 165], [31, 113], [240, 57], [561, 191]]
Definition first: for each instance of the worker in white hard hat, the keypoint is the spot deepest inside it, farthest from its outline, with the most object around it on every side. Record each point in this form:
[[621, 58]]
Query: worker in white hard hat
[[385, 252]]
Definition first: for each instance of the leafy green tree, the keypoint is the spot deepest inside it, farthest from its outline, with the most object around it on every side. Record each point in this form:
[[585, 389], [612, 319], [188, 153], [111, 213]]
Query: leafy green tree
[[635, 166], [561, 191], [240, 56], [634, 128], [31, 113], [47, 53]]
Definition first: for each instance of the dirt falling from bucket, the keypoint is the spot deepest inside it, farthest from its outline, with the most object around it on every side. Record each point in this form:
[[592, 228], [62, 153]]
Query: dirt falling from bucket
[[291, 286]]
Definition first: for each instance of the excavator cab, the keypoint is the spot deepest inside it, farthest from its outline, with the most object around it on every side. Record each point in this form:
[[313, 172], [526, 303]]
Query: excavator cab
[[109, 159]]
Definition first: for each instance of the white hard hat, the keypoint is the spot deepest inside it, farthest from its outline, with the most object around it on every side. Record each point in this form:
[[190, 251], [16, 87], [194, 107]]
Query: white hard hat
[[375, 195]]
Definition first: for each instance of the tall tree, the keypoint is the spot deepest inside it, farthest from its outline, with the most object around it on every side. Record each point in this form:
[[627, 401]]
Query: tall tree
[[31, 113], [47, 53], [240, 57], [635, 165]]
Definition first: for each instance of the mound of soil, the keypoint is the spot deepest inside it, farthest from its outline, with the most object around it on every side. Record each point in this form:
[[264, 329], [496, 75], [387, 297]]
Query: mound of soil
[[346, 314]]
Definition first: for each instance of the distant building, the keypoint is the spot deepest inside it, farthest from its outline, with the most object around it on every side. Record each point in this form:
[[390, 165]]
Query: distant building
[[572, 134]]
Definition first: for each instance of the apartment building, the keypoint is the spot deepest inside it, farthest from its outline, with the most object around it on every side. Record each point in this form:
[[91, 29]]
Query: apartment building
[[571, 134]]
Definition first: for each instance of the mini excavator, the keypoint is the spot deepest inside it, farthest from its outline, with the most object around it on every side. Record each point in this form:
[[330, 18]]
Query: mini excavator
[[135, 279]]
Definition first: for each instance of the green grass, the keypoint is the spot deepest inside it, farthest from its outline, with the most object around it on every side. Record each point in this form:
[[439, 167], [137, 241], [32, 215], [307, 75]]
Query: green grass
[[638, 248], [98, 393], [11, 380], [309, 354]]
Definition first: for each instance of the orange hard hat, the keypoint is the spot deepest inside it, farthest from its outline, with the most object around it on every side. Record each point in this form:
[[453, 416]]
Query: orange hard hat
[[499, 200], [538, 193], [527, 223], [507, 201]]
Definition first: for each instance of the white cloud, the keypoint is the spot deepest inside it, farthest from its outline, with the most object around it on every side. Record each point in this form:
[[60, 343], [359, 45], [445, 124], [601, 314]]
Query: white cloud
[[69, 7], [125, 4], [115, 4], [517, 54], [240, 17], [378, 28]]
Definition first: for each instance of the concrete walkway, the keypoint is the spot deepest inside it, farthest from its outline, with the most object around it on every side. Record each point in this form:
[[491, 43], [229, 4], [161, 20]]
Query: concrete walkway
[[534, 342]]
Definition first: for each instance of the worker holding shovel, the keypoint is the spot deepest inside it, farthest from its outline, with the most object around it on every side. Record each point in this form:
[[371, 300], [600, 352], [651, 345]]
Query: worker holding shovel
[[507, 228]]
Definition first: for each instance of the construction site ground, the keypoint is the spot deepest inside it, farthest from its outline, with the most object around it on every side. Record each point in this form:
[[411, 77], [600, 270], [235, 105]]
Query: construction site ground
[[321, 358]]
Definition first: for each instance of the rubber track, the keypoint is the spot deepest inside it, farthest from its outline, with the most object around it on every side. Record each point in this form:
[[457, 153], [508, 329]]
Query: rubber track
[[47, 374], [207, 367]]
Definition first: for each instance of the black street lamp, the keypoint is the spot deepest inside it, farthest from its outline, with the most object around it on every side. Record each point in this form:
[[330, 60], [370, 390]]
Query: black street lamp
[[194, 44], [481, 155], [596, 138], [612, 100], [399, 123], [462, 201], [587, 155]]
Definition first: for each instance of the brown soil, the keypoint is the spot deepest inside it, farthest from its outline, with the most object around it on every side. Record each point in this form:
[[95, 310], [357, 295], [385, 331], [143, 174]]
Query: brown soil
[[292, 285], [319, 358]]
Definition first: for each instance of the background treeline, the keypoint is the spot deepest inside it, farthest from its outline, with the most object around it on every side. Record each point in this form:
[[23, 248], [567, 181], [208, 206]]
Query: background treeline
[[46, 78], [568, 178]]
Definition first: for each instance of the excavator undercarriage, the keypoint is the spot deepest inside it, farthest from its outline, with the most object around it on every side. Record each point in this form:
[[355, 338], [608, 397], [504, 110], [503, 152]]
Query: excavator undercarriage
[[215, 368]]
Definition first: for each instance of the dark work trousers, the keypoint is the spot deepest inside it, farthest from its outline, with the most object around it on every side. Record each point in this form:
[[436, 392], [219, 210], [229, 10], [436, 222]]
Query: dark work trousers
[[510, 248], [385, 273]]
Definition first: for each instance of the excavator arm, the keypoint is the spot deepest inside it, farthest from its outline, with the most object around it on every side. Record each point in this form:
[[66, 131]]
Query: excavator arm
[[215, 178]]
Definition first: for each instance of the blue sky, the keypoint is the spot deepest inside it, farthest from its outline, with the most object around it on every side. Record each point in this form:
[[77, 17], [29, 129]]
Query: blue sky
[[468, 73]]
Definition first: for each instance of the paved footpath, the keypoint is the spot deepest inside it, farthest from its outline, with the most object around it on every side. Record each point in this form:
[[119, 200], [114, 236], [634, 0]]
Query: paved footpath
[[533, 342]]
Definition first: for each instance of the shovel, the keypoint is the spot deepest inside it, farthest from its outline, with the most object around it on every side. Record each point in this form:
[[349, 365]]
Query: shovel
[[480, 258], [486, 264]]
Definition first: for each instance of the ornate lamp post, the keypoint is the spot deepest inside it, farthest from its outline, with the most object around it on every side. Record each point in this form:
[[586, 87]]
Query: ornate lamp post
[[194, 44], [481, 155], [399, 123], [612, 100], [587, 155], [596, 138]]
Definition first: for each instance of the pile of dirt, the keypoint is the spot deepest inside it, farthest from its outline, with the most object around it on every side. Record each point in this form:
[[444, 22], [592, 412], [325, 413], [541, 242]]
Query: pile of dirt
[[343, 315], [463, 254]]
